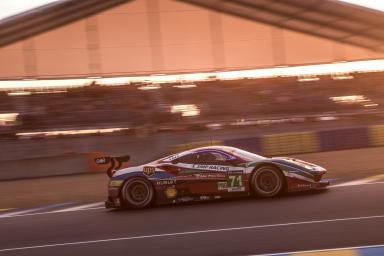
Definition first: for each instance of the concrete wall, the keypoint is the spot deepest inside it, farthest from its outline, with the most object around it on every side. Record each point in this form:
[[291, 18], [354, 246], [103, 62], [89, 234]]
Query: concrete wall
[[50, 157], [43, 166], [159, 36]]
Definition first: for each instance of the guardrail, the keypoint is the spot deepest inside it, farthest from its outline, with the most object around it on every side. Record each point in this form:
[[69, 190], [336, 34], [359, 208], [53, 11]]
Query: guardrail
[[301, 142]]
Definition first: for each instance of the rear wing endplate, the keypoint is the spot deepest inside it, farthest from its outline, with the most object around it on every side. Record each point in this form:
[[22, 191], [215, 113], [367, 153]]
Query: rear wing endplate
[[114, 162]]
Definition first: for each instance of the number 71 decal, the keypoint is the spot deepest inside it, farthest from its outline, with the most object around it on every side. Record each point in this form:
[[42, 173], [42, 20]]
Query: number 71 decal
[[234, 183]]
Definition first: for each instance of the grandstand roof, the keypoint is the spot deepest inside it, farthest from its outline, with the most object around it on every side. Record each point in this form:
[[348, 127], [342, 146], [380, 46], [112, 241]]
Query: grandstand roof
[[50, 16], [328, 19]]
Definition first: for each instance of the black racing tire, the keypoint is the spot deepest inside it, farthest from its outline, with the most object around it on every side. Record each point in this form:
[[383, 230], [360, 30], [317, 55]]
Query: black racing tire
[[137, 193], [267, 181]]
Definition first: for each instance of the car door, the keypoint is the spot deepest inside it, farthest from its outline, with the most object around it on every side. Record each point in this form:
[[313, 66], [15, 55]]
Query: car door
[[208, 172], [197, 174], [235, 173]]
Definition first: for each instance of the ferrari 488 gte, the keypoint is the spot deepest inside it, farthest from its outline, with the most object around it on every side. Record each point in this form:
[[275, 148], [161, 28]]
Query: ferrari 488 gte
[[207, 173]]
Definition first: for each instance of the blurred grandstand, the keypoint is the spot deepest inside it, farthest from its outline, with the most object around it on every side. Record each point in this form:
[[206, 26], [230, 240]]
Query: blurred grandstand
[[355, 99], [137, 67]]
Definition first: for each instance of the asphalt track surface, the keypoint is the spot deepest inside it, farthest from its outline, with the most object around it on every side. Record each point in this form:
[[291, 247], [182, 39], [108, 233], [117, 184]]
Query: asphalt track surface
[[342, 216]]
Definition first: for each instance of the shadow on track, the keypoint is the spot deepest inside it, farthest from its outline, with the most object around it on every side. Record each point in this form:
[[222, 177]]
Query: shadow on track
[[229, 202]]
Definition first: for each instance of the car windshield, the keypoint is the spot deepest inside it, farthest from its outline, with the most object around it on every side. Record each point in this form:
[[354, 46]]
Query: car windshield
[[248, 156]]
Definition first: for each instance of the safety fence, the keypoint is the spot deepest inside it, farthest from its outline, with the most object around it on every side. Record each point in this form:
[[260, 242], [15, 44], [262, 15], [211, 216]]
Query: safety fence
[[300, 142], [144, 151]]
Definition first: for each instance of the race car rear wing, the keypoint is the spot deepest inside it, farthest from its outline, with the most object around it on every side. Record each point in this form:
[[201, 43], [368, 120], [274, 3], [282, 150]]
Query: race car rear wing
[[114, 161]]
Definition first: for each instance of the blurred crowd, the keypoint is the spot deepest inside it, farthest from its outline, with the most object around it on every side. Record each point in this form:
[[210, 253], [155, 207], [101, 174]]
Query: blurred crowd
[[211, 101]]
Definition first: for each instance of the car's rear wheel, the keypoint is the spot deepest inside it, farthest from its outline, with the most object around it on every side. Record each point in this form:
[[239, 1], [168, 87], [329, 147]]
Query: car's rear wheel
[[137, 193], [267, 181]]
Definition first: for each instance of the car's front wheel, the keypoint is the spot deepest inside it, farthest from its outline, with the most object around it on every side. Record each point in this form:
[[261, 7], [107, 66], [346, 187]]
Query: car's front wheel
[[137, 193], [267, 181]]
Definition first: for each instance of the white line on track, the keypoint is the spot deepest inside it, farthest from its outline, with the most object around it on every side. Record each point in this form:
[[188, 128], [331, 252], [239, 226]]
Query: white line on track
[[82, 207], [355, 183], [17, 213], [193, 232], [33, 210], [297, 253], [25, 213], [369, 180]]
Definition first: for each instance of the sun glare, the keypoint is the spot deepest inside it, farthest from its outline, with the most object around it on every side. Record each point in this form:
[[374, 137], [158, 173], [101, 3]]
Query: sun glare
[[373, 4], [10, 8]]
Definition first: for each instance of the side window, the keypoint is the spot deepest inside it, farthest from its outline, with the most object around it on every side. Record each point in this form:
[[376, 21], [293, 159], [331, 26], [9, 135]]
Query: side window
[[213, 158], [219, 157], [206, 157], [187, 159]]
